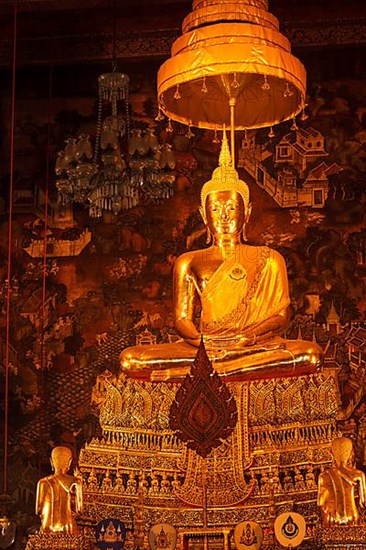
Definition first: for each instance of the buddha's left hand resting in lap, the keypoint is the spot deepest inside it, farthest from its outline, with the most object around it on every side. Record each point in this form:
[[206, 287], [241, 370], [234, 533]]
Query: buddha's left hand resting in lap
[[243, 295]]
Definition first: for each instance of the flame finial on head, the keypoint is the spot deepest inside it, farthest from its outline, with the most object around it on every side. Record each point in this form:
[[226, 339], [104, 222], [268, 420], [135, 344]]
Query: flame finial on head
[[225, 156], [225, 177]]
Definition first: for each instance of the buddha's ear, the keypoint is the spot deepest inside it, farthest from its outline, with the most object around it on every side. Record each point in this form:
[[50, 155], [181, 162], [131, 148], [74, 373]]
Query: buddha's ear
[[203, 215], [248, 212]]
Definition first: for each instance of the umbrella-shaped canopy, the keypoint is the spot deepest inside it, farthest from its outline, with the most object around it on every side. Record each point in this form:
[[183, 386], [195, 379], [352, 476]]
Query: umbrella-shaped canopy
[[231, 53]]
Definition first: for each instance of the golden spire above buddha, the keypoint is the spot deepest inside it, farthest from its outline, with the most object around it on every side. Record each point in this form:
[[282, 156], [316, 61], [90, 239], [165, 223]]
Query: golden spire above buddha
[[225, 177], [241, 290]]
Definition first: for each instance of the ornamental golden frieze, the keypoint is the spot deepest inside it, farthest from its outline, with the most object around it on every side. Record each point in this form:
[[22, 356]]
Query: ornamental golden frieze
[[56, 541], [139, 453]]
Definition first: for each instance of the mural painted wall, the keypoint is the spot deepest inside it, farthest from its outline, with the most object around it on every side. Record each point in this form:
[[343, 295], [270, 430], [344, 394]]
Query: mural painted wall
[[108, 283]]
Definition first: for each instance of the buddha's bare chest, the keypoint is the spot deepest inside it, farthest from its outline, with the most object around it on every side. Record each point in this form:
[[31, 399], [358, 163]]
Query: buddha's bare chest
[[203, 269]]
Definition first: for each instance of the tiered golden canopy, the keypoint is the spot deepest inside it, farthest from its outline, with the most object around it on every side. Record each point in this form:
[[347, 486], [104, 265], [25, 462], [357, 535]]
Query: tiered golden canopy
[[231, 52]]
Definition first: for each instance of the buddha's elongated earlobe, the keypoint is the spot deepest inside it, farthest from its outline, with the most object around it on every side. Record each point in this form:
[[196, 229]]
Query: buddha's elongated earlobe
[[204, 218], [208, 235], [248, 212], [247, 216], [203, 214]]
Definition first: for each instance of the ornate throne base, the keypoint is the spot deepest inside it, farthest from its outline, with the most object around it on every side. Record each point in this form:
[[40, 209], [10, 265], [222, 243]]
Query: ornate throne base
[[342, 537], [269, 465], [56, 541]]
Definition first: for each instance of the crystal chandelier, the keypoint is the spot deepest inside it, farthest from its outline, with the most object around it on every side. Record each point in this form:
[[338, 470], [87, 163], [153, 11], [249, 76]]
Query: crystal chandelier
[[123, 169]]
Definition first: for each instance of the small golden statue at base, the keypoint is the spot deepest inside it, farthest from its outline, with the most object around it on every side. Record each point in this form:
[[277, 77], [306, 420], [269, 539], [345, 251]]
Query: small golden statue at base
[[337, 487], [56, 495]]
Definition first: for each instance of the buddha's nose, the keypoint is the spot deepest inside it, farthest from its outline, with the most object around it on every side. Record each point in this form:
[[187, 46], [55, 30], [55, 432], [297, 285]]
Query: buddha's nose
[[224, 215]]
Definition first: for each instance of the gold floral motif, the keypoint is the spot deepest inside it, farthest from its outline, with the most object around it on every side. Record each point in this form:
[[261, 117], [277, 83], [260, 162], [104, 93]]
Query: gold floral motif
[[304, 398], [343, 537], [137, 405]]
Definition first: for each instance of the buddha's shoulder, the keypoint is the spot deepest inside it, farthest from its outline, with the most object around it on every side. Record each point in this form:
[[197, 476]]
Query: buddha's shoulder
[[275, 256], [264, 254], [186, 259], [192, 261], [46, 480]]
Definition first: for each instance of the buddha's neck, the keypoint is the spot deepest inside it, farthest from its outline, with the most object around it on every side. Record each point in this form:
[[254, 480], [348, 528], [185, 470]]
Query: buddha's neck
[[227, 245]]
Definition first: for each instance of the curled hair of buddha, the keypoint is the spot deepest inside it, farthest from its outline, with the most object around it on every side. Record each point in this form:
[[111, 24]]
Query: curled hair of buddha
[[225, 177]]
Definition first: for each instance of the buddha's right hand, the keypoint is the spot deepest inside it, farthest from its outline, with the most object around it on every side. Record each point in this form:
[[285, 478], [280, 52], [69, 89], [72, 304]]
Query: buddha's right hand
[[188, 331], [193, 341], [210, 343], [228, 341]]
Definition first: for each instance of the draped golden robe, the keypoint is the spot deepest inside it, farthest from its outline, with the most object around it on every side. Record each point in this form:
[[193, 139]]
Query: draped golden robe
[[53, 503], [336, 495], [230, 306]]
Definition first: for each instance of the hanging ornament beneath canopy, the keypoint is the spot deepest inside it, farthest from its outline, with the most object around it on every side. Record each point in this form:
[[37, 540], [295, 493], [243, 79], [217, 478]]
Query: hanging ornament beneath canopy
[[231, 56]]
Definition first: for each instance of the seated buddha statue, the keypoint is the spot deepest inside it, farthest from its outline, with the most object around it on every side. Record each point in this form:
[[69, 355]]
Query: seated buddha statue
[[241, 292]]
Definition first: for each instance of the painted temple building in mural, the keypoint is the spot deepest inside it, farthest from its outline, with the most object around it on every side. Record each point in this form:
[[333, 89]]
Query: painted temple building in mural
[[293, 170]]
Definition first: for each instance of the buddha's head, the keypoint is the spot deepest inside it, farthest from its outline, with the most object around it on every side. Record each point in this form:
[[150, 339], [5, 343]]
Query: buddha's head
[[61, 458], [225, 206], [342, 450]]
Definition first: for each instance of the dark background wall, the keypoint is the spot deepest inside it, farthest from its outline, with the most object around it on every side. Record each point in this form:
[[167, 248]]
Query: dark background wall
[[101, 300]]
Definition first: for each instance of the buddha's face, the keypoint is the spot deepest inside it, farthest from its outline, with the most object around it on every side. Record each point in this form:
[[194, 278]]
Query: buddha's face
[[225, 213]]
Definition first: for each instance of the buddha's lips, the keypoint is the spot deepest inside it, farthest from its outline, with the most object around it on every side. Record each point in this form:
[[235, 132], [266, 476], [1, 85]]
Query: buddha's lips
[[226, 226]]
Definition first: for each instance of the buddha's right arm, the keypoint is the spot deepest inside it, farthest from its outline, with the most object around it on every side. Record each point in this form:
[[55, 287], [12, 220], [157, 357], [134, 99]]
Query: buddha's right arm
[[362, 489], [185, 294], [39, 497], [78, 497]]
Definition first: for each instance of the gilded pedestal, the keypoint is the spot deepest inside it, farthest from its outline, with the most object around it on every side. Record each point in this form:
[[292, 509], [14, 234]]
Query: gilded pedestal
[[342, 537], [56, 541], [272, 460]]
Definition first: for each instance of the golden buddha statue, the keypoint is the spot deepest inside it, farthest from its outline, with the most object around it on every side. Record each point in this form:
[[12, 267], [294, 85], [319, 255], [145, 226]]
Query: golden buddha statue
[[57, 493], [243, 294], [337, 487]]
